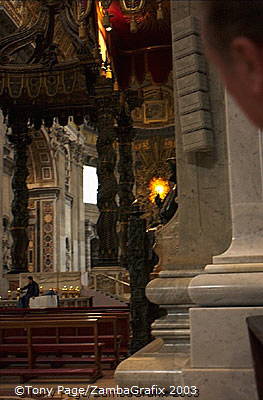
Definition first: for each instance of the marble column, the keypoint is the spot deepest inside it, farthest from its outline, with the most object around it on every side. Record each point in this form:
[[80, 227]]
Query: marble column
[[201, 226], [232, 286]]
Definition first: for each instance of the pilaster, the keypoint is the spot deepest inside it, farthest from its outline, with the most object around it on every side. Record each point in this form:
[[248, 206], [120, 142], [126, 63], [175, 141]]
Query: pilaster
[[78, 210], [232, 285]]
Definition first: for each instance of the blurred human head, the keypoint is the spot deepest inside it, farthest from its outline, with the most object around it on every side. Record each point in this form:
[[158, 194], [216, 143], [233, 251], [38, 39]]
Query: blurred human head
[[232, 31], [30, 278]]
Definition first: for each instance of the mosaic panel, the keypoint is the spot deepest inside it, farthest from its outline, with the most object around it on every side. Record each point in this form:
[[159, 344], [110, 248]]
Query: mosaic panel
[[48, 234], [32, 237]]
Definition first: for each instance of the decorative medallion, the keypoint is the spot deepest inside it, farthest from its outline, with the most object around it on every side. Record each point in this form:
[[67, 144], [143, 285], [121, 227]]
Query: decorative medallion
[[48, 231], [48, 218]]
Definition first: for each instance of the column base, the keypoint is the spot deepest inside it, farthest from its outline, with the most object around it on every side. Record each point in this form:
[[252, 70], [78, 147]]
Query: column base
[[219, 337], [149, 367], [222, 384], [228, 285], [221, 357]]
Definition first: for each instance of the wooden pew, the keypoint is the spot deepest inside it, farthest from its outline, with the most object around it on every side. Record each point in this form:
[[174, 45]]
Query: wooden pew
[[122, 324], [103, 309], [32, 351], [111, 340]]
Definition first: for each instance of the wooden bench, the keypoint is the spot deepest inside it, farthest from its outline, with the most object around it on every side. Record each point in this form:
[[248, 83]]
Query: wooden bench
[[119, 327], [102, 309], [112, 342], [31, 351]]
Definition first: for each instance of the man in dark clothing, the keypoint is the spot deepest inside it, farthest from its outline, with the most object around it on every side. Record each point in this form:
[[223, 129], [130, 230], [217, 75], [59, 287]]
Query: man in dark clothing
[[32, 291]]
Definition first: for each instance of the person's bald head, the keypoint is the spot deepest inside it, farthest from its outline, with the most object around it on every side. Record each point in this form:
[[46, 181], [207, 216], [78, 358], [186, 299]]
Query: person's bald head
[[233, 37]]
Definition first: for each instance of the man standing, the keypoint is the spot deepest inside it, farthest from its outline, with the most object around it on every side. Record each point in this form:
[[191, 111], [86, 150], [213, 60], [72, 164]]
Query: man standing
[[233, 38], [32, 291]]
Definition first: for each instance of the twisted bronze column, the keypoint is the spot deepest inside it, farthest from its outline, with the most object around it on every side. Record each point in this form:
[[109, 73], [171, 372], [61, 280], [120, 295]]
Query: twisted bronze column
[[20, 141], [106, 103], [125, 137], [139, 277]]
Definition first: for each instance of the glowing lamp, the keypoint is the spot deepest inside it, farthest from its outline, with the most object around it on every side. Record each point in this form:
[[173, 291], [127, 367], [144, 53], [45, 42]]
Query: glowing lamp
[[158, 186]]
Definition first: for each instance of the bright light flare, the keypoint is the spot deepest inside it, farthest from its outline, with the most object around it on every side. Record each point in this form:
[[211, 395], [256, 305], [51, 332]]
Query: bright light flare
[[158, 186]]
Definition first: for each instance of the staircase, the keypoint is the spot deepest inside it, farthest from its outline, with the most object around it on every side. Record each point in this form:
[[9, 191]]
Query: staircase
[[108, 287]]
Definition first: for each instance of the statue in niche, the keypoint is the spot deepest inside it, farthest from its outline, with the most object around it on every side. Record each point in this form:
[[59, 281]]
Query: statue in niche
[[168, 207], [6, 246]]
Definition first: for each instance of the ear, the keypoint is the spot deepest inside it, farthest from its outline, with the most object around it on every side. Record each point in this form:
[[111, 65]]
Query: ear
[[248, 59]]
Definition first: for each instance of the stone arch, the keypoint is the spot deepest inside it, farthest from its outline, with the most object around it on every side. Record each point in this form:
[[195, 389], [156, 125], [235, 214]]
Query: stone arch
[[42, 185]]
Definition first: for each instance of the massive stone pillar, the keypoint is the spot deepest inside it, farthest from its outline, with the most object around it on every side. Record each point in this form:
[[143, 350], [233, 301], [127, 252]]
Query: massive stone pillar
[[232, 286], [20, 141], [201, 226], [106, 103]]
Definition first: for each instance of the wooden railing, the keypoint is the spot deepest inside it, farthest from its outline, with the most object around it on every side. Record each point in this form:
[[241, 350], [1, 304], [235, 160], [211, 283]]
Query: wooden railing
[[68, 302]]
